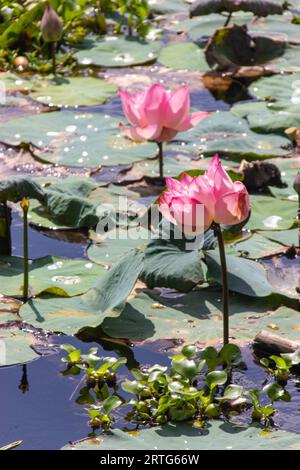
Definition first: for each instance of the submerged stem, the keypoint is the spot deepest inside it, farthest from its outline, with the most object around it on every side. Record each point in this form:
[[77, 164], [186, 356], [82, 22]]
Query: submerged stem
[[25, 207], [225, 294], [161, 159]]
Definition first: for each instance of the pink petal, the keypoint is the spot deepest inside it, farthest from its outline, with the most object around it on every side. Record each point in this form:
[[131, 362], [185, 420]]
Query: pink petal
[[218, 177], [173, 185], [233, 207], [178, 107], [191, 121], [154, 104], [139, 134], [133, 107]]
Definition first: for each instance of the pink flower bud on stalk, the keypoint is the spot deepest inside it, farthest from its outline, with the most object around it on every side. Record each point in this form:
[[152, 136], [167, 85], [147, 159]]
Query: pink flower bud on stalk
[[51, 25], [223, 202], [158, 114], [52, 29]]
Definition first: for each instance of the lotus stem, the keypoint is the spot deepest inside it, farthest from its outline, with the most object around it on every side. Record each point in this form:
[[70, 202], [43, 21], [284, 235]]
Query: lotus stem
[[53, 55], [161, 159], [228, 19], [225, 293], [299, 220], [25, 207]]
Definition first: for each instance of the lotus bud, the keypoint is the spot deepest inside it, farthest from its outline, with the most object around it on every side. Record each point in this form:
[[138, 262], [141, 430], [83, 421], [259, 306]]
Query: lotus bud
[[51, 25], [297, 183]]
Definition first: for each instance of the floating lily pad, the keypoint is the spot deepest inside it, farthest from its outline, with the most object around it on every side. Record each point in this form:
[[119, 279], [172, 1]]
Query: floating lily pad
[[244, 276], [168, 6], [13, 82], [76, 139], [16, 346], [111, 250], [229, 135], [273, 26], [269, 213], [233, 46], [112, 51], [288, 62], [259, 8], [168, 263], [285, 237], [73, 91], [287, 269], [257, 246], [9, 309], [79, 202], [68, 315], [197, 316], [183, 56], [278, 87], [218, 435], [57, 276], [269, 117]]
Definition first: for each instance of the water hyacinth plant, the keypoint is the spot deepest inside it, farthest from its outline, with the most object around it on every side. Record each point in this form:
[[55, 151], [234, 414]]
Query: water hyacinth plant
[[224, 202], [158, 115]]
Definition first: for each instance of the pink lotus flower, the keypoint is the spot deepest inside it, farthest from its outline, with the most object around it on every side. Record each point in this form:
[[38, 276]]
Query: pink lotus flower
[[158, 114], [188, 204], [232, 203]]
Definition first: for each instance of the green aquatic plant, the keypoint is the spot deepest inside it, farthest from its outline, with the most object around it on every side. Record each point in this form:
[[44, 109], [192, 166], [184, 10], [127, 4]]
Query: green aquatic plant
[[100, 415], [280, 366], [197, 384], [27, 26]]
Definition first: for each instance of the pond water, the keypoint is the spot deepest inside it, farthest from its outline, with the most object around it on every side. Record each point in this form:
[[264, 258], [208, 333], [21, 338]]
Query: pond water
[[40, 403]]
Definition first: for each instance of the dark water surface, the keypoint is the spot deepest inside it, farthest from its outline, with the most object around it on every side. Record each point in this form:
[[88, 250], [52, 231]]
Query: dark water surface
[[46, 416]]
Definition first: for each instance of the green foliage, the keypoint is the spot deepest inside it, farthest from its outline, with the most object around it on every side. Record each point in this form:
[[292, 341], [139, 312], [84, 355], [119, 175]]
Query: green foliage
[[20, 24], [280, 366]]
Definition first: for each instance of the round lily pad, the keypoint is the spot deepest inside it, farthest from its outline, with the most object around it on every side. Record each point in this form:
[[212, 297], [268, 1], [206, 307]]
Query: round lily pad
[[217, 435], [197, 316], [184, 56], [73, 91], [79, 139], [112, 51], [269, 213], [58, 276], [279, 88], [229, 135], [16, 346]]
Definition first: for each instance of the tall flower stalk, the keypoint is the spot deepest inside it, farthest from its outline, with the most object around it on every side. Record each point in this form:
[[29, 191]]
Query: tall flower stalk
[[296, 186], [157, 115], [225, 291], [25, 208], [52, 30], [221, 201]]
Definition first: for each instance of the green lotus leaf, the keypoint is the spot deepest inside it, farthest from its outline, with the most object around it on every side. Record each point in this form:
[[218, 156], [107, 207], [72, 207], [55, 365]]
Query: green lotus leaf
[[77, 139], [69, 315], [112, 51], [73, 91], [218, 435], [57, 276]]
